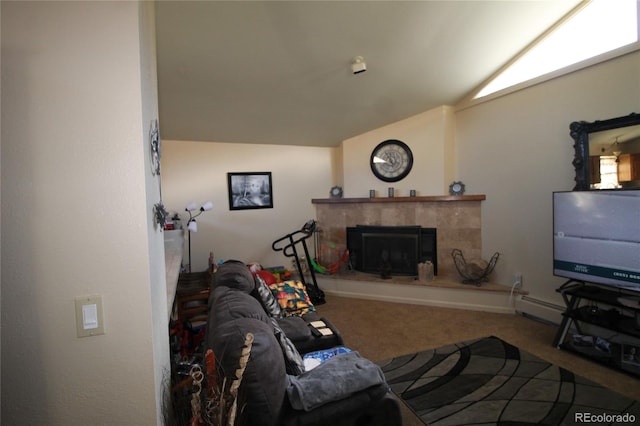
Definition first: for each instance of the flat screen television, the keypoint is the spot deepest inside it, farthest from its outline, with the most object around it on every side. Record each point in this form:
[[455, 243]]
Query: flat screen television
[[596, 237]]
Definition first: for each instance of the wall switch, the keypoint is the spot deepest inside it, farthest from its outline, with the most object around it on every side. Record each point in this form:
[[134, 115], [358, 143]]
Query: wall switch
[[89, 319], [90, 316]]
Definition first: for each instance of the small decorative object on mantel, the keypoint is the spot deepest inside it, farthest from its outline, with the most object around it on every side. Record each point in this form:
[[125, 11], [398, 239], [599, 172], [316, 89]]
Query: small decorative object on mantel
[[336, 192], [476, 271], [456, 188]]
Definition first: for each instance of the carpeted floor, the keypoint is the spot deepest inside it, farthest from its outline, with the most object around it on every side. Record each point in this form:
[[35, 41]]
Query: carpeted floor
[[383, 330], [489, 381]]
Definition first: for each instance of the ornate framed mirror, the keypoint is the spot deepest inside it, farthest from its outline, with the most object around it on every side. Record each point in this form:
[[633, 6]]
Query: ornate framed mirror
[[607, 153]]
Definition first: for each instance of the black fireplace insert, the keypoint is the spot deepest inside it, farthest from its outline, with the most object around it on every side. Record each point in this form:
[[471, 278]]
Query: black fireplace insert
[[394, 250]]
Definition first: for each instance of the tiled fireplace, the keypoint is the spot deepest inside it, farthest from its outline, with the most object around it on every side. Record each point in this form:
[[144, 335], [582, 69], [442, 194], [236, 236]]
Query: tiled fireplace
[[457, 220]]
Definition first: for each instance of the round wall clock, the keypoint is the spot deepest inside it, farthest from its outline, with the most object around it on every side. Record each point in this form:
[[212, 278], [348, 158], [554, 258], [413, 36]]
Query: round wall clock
[[391, 160]]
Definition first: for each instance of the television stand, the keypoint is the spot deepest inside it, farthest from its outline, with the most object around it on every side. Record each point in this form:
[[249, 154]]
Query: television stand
[[606, 325]]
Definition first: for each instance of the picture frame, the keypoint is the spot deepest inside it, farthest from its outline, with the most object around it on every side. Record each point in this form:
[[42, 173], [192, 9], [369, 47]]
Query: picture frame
[[250, 190], [630, 355]]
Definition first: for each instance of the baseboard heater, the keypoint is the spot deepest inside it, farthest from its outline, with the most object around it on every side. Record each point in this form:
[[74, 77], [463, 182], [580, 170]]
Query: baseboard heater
[[540, 310]]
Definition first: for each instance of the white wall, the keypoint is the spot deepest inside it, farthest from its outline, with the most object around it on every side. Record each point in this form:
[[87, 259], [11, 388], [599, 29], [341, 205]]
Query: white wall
[[157, 286], [517, 150], [431, 139], [76, 216], [197, 171]]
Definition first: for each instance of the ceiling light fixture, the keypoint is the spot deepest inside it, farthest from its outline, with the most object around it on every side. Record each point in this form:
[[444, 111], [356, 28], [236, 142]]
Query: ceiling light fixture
[[614, 148], [358, 65]]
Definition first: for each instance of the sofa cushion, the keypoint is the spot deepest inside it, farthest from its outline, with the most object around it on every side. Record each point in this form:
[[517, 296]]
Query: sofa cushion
[[375, 406], [235, 274], [337, 378], [264, 382], [226, 304], [295, 328]]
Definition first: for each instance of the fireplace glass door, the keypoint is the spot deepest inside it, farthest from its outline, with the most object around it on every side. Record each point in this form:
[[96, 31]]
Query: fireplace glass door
[[400, 248]]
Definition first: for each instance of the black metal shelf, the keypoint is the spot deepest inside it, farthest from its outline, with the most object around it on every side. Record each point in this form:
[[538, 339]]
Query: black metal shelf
[[614, 316], [620, 323]]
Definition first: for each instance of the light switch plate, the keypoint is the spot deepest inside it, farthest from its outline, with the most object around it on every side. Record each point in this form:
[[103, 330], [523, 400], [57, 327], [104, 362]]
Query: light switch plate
[[89, 318]]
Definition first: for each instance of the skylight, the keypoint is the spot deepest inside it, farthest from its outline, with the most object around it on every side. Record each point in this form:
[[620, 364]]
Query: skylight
[[597, 28]]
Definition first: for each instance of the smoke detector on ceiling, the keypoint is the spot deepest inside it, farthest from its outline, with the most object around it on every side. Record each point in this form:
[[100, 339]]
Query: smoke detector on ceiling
[[358, 65]]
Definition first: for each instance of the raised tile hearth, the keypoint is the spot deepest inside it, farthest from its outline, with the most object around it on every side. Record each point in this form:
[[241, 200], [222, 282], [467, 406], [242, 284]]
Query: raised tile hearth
[[441, 292]]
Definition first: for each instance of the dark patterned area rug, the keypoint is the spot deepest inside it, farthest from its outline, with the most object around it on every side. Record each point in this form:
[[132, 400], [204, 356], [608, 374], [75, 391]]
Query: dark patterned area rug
[[490, 382]]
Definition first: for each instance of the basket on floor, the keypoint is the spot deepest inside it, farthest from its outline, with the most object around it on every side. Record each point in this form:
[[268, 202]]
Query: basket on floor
[[476, 272]]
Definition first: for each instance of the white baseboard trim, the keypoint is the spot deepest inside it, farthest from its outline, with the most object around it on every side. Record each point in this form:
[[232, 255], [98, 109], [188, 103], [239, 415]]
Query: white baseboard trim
[[469, 299]]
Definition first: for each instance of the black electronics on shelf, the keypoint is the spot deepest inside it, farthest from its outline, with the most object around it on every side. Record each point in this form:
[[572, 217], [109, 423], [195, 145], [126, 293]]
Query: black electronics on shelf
[[615, 312], [287, 245]]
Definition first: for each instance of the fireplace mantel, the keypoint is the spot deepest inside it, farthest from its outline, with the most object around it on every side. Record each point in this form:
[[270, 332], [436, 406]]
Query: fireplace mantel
[[423, 199]]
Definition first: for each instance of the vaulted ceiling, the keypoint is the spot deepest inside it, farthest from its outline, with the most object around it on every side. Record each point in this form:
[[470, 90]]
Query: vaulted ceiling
[[279, 72]]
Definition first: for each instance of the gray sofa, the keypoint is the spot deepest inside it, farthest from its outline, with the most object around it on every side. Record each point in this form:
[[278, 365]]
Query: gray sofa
[[345, 390]]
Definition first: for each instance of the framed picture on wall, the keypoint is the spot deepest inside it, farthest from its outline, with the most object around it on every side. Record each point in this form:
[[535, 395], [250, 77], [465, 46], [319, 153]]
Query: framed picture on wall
[[631, 355], [250, 190]]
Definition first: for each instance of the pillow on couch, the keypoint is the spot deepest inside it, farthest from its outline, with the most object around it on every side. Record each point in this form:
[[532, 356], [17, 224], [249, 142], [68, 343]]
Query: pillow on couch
[[294, 364], [266, 298], [292, 297], [267, 276], [337, 378]]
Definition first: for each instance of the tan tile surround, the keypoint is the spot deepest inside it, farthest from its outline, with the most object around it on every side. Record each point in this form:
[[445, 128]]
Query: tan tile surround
[[457, 219]]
